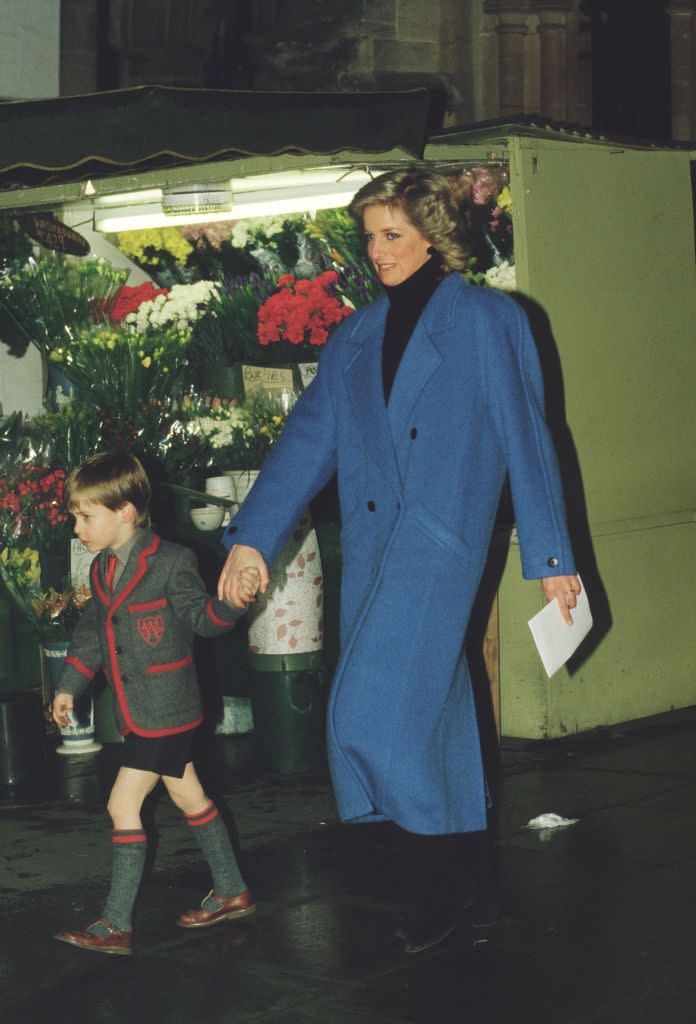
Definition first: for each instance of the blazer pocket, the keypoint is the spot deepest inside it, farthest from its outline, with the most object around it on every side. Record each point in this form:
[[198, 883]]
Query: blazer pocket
[[170, 666], [440, 532], [147, 606]]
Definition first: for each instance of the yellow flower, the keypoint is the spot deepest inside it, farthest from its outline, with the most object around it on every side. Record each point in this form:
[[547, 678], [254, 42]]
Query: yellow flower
[[134, 244], [147, 362], [111, 343], [504, 199]]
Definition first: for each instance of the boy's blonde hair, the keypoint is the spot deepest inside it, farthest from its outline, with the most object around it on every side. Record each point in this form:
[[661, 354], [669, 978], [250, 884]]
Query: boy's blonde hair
[[110, 479], [426, 198]]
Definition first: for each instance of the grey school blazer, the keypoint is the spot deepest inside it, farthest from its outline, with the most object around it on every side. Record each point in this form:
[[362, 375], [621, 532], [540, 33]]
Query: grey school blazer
[[142, 635]]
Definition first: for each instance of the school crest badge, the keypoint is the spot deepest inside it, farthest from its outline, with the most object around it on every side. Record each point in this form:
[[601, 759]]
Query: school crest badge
[[151, 629]]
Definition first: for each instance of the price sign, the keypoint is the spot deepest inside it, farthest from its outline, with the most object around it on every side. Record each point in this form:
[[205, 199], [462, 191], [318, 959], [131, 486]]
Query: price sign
[[271, 381], [53, 234]]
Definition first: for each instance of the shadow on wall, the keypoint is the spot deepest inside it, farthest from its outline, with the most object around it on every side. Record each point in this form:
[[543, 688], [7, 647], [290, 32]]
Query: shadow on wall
[[571, 476]]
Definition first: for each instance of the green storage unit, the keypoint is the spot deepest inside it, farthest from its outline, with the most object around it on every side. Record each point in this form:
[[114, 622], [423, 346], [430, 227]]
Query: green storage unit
[[604, 247]]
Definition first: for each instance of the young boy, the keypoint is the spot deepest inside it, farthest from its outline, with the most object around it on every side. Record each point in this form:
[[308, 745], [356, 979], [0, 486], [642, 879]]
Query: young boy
[[147, 602]]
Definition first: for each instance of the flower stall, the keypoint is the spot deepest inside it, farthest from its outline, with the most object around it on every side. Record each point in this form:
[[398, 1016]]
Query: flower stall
[[221, 259]]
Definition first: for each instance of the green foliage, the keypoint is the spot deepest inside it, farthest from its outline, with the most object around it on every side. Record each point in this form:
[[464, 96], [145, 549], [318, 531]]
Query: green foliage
[[46, 302], [339, 235]]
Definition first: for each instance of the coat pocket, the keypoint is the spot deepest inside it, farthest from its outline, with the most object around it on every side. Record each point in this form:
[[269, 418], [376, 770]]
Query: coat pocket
[[440, 532]]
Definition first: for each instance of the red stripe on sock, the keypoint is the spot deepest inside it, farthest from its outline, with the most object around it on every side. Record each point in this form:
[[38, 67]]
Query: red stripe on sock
[[204, 816], [128, 837]]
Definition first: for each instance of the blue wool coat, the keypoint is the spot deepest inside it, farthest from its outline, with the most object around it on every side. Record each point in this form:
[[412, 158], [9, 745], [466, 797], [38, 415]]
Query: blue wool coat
[[419, 484]]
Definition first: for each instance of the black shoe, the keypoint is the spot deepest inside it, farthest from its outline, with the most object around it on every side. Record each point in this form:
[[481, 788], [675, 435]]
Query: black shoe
[[422, 933]]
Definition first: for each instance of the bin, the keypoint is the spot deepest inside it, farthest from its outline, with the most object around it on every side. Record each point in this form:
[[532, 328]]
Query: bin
[[288, 700]]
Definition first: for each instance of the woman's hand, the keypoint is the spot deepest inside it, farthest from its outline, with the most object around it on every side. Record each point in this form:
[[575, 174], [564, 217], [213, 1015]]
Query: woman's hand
[[61, 708], [231, 583], [565, 589]]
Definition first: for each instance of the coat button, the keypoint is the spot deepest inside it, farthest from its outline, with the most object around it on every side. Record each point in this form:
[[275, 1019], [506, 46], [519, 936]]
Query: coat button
[[553, 562], [371, 505], [119, 649], [114, 621], [124, 679], [414, 433]]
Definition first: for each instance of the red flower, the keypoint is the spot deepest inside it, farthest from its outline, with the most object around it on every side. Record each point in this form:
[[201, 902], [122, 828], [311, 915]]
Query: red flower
[[130, 299], [301, 311]]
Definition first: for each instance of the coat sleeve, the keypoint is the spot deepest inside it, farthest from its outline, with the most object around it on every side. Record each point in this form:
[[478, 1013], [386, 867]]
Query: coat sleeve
[[84, 658], [191, 602], [515, 388], [301, 462]]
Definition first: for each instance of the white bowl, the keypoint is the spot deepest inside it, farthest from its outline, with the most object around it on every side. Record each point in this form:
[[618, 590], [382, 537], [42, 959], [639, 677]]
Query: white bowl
[[208, 518]]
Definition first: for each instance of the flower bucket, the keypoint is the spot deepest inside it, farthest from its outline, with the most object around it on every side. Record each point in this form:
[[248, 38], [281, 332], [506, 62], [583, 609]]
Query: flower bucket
[[78, 737], [242, 482], [288, 618], [224, 381]]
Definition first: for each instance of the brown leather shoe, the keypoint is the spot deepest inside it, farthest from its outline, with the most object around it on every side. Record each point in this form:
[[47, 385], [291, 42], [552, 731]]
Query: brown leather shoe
[[116, 941], [230, 909]]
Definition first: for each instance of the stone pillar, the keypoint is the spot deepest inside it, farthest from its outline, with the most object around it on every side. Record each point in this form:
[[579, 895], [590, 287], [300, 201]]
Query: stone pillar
[[512, 29], [553, 33], [682, 15]]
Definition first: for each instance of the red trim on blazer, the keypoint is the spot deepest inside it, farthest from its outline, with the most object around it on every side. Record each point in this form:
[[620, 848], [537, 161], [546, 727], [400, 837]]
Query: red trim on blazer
[[148, 606], [170, 666], [113, 659], [80, 666], [101, 593], [216, 618]]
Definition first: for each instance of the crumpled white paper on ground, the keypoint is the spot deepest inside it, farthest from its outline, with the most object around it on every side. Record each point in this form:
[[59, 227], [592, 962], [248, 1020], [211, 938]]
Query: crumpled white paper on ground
[[550, 820]]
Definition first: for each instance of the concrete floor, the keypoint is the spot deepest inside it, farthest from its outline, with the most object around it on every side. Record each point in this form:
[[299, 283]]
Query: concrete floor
[[598, 924]]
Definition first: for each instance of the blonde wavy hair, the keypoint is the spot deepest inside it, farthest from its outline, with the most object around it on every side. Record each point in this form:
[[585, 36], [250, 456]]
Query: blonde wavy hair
[[426, 198]]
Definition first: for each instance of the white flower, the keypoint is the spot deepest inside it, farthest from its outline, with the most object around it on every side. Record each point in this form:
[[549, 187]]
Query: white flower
[[180, 308], [502, 277]]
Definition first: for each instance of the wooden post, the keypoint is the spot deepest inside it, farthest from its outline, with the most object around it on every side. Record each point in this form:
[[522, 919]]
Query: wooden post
[[491, 657]]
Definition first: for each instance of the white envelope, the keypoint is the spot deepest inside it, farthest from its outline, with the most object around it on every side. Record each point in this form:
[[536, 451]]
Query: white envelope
[[554, 638]]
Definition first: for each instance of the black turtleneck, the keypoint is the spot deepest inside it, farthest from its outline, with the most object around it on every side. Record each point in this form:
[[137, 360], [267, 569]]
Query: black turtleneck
[[406, 303]]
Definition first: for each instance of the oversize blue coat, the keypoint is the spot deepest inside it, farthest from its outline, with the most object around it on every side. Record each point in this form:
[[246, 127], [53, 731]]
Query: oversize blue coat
[[419, 484]]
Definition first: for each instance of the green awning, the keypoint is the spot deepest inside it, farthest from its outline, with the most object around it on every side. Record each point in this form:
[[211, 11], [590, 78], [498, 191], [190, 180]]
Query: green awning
[[48, 142]]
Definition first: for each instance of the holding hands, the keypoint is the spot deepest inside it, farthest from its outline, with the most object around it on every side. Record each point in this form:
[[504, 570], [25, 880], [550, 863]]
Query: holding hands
[[243, 575]]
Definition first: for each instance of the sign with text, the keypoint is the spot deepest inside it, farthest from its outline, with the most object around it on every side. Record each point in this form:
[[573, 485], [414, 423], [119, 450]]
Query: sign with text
[[308, 372], [53, 234], [271, 381], [80, 561]]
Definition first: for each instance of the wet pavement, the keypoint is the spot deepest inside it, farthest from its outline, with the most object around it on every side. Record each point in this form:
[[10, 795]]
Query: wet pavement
[[598, 921]]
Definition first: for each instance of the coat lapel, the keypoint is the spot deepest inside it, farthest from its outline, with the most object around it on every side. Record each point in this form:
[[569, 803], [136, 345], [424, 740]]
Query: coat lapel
[[424, 353], [136, 566], [363, 377], [418, 363]]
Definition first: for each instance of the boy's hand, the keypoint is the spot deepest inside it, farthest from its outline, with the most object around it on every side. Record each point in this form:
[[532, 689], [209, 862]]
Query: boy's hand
[[61, 708], [240, 559], [250, 579]]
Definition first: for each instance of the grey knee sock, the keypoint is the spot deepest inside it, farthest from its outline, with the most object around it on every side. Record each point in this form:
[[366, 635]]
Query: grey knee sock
[[209, 829], [129, 848]]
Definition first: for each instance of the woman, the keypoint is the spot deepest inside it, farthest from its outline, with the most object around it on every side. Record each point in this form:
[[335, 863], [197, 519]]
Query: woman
[[423, 402]]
